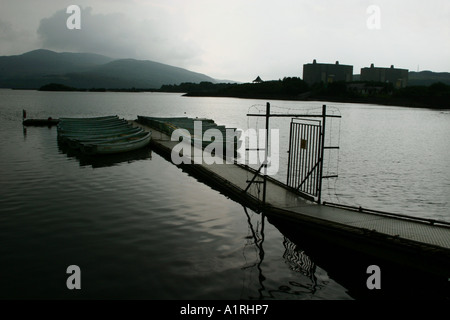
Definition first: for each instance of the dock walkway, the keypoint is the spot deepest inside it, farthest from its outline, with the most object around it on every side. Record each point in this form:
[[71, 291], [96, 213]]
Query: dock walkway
[[430, 240]]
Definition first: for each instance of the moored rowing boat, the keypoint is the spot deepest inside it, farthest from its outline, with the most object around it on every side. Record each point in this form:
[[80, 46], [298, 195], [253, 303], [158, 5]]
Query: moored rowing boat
[[121, 145], [65, 127], [75, 142], [89, 119], [102, 135], [67, 136]]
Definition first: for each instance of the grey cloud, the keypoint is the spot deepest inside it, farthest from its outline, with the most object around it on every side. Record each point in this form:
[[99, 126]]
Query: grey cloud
[[6, 31], [118, 36], [14, 39], [103, 34]]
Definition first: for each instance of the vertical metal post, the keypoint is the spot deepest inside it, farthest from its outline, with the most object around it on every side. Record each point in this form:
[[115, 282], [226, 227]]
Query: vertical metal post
[[288, 178], [265, 152], [316, 154], [295, 169], [324, 116], [310, 160]]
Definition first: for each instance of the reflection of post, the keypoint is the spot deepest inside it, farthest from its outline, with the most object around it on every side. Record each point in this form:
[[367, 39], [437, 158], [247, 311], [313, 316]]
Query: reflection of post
[[261, 257], [259, 245], [24, 115]]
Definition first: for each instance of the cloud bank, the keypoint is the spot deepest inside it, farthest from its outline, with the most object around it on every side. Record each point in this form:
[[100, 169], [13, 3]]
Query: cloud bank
[[116, 35], [238, 39]]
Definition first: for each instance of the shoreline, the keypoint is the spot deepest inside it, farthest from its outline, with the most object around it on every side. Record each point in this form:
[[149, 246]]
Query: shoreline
[[375, 101], [393, 102]]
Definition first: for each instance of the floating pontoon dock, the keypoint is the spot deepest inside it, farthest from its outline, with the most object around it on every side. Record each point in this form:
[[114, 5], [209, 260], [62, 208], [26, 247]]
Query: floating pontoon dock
[[420, 243], [423, 244], [40, 122]]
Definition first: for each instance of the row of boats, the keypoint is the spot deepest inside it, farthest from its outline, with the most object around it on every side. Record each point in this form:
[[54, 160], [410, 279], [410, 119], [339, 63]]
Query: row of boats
[[101, 135], [111, 134]]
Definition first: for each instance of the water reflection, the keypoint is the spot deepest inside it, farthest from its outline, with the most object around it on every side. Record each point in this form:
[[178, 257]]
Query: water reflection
[[295, 259], [348, 267], [257, 235], [99, 161], [306, 254]]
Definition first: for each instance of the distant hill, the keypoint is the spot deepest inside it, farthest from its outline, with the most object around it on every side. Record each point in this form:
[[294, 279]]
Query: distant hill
[[426, 78], [48, 62], [36, 68], [127, 73]]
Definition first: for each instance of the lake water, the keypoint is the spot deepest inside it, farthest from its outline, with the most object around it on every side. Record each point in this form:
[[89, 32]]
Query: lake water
[[140, 228]]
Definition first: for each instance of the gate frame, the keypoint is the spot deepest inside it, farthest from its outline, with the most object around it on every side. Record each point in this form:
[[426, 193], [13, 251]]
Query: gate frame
[[268, 115], [291, 178]]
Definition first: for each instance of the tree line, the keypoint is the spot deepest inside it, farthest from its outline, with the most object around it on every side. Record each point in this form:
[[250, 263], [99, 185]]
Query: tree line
[[436, 95]]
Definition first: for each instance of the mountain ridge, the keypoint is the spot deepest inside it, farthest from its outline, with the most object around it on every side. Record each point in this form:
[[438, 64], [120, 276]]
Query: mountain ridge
[[35, 68], [426, 77]]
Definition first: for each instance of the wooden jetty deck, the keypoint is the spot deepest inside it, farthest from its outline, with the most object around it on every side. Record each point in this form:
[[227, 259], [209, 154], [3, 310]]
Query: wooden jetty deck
[[422, 244]]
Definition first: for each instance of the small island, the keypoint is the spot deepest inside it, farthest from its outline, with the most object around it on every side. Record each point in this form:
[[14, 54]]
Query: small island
[[56, 87]]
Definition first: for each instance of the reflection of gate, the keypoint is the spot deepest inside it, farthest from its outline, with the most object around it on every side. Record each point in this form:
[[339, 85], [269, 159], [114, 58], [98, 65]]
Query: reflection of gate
[[305, 156]]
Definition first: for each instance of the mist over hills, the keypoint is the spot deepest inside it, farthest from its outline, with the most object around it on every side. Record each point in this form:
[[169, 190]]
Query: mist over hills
[[36, 68]]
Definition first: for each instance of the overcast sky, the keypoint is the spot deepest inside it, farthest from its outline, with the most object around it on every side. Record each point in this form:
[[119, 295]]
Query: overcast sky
[[239, 39]]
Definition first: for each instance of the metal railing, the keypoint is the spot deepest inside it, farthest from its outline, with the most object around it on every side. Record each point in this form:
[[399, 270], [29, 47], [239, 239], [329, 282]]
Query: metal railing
[[389, 214]]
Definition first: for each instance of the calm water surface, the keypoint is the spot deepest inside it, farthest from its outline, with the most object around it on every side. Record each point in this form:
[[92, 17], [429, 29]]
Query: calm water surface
[[139, 227]]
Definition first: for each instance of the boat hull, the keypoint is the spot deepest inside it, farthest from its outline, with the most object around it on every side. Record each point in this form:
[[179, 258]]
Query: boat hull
[[102, 135], [120, 146]]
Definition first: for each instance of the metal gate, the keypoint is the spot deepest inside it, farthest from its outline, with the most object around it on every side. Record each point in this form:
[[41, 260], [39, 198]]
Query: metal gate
[[306, 153], [304, 172]]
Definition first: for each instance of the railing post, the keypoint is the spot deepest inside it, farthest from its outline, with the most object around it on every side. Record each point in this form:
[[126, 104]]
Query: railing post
[[324, 116], [265, 152]]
